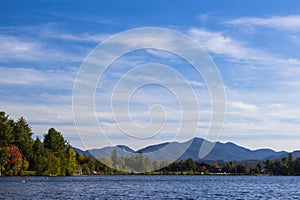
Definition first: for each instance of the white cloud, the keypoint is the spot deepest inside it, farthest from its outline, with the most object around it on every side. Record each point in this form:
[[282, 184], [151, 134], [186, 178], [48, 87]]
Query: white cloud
[[286, 23], [85, 37], [28, 76], [217, 43], [244, 106], [12, 47], [19, 49], [236, 51]]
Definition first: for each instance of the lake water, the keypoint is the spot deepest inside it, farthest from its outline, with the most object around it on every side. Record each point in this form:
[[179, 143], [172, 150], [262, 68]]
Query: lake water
[[150, 187]]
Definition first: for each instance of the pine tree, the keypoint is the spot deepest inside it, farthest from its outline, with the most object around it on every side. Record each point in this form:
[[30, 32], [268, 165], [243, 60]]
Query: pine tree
[[6, 130]]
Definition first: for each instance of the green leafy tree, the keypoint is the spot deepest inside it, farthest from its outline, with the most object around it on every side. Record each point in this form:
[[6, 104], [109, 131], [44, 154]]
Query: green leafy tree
[[70, 161], [191, 164], [52, 165], [92, 164], [4, 160], [86, 169], [107, 161]]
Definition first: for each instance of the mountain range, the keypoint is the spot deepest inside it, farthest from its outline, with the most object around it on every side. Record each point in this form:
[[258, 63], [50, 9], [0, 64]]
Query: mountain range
[[190, 149]]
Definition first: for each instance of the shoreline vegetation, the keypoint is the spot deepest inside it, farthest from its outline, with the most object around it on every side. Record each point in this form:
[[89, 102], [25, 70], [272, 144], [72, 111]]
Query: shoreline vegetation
[[21, 155]]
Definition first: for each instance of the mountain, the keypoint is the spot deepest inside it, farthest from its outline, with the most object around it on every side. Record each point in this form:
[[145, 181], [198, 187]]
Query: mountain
[[295, 154], [122, 150], [169, 151]]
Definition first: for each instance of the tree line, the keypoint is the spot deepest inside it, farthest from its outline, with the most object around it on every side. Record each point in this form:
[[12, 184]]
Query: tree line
[[132, 164], [284, 167], [141, 164], [20, 154]]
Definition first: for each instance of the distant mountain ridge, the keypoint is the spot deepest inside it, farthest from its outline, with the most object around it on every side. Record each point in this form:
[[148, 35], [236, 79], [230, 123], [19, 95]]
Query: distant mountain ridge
[[221, 152]]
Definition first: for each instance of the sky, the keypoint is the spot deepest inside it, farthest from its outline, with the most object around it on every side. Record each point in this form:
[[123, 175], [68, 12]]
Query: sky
[[254, 44]]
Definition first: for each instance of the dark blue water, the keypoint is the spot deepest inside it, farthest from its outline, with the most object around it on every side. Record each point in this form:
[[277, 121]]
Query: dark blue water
[[150, 187]]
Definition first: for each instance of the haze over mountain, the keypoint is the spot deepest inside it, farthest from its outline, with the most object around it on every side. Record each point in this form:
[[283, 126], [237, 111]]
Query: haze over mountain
[[170, 151]]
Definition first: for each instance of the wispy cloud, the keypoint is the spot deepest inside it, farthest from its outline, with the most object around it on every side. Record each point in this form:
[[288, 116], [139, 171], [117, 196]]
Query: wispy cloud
[[218, 43], [244, 106], [29, 76], [263, 102], [85, 37], [285, 23], [46, 43], [15, 48]]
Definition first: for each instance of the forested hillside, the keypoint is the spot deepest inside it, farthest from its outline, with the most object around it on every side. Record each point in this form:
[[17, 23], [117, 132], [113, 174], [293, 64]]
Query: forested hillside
[[20, 154]]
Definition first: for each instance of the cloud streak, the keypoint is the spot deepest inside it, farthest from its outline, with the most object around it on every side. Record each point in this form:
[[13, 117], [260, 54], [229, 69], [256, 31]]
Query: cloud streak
[[47, 78], [14, 48], [283, 23], [217, 43]]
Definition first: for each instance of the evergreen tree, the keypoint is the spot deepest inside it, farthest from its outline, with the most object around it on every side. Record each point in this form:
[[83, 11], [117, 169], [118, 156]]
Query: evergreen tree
[[39, 161], [22, 138], [55, 142], [6, 130]]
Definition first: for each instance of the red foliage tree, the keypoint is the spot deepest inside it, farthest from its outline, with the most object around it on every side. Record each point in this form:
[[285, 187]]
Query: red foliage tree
[[15, 154]]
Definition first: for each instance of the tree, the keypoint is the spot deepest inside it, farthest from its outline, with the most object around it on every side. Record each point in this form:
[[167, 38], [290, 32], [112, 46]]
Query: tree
[[106, 161], [6, 128], [55, 142], [241, 169], [297, 166], [92, 164], [38, 148], [114, 158], [70, 161], [15, 159], [140, 162], [39, 161], [22, 138], [191, 164], [257, 168], [4, 159], [290, 164], [53, 164]]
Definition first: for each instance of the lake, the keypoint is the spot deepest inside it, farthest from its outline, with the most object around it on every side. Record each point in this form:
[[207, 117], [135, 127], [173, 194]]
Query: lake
[[151, 187]]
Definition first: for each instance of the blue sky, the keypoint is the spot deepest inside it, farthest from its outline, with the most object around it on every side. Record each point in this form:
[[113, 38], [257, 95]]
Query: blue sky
[[255, 45]]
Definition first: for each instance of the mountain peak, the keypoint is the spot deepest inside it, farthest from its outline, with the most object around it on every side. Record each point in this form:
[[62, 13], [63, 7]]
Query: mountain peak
[[221, 151], [125, 148]]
